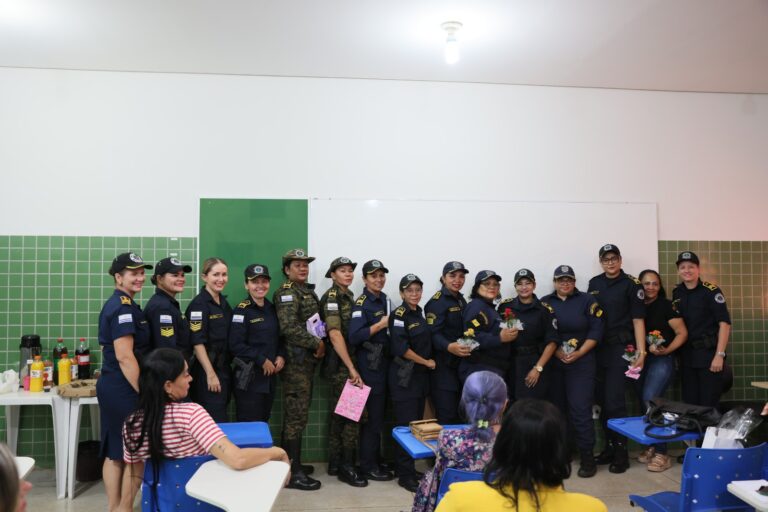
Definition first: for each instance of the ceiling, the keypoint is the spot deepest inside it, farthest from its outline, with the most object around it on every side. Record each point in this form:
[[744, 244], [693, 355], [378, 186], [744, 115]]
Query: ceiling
[[674, 45]]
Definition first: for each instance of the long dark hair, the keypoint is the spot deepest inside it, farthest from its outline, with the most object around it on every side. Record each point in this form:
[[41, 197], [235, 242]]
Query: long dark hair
[[158, 367], [662, 291], [530, 450]]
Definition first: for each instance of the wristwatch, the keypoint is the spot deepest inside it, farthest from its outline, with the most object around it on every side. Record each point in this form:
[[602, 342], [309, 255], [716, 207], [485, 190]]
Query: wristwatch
[[538, 368], [721, 354]]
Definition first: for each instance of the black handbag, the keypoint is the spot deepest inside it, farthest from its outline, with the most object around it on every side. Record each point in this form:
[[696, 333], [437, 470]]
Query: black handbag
[[679, 415]]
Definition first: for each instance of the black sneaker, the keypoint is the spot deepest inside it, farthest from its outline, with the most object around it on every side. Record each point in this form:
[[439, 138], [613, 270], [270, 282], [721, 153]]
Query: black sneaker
[[620, 461], [587, 467], [303, 482], [378, 475]]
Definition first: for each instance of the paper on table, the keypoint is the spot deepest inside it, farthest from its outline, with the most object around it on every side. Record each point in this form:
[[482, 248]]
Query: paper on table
[[352, 401]]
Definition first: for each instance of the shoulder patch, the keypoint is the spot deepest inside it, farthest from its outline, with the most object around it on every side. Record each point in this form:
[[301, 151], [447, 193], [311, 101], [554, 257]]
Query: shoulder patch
[[245, 303], [719, 298], [595, 310], [166, 332], [286, 298], [196, 326], [400, 311], [506, 301], [595, 292], [437, 295], [332, 293], [633, 279], [707, 284], [548, 307], [431, 317], [287, 285], [125, 300], [360, 300]]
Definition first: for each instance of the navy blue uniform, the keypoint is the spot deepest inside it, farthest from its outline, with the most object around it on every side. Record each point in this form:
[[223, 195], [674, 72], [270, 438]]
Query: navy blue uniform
[[167, 325], [573, 385], [539, 330], [254, 336], [444, 320], [492, 355], [702, 308], [621, 299], [372, 363], [209, 326], [119, 317], [408, 380]]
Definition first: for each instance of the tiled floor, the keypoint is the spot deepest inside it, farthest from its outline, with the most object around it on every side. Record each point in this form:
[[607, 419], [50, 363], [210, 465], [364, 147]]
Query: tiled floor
[[378, 496]]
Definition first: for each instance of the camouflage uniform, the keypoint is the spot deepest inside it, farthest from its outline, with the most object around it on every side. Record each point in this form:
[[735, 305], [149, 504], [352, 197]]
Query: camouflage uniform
[[336, 308]]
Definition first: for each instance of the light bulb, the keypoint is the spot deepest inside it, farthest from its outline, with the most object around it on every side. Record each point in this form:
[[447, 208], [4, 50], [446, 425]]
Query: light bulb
[[452, 55]]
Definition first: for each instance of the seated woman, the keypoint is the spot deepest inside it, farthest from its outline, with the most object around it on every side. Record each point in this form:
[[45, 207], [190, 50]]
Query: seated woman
[[482, 401], [165, 427], [13, 491], [529, 464]]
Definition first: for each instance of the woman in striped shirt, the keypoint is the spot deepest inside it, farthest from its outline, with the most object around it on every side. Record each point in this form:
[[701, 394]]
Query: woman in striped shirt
[[165, 427]]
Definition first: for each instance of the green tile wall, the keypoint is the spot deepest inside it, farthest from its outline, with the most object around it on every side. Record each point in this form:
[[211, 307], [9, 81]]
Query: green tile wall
[[55, 286]]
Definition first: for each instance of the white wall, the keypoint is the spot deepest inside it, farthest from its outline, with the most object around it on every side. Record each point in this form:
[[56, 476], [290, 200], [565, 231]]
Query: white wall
[[108, 153]]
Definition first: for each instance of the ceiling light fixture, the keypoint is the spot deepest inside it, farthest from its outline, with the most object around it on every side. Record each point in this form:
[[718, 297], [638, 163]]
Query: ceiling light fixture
[[451, 44]]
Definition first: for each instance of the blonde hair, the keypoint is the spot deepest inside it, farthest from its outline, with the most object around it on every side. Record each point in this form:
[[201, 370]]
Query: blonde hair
[[9, 480], [209, 263]]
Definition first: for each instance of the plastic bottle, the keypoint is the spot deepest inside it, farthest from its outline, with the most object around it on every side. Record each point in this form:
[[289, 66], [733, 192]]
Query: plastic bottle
[[83, 360], [36, 375], [48, 375], [65, 370], [58, 350]]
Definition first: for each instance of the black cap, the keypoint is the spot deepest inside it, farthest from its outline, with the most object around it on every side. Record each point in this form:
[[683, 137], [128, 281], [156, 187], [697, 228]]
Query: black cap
[[255, 270], [687, 256], [564, 271], [608, 248], [484, 275], [128, 260], [409, 279], [524, 273], [170, 265], [372, 266], [340, 262], [453, 266]]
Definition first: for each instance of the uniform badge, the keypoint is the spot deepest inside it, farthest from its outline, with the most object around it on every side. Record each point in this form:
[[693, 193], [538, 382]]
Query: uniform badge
[[286, 298], [357, 314], [399, 323], [166, 319], [238, 319], [125, 300], [456, 265], [523, 273], [431, 317], [413, 325], [554, 323], [175, 261], [411, 277], [134, 258], [166, 332], [257, 320], [258, 269], [344, 260], [607, 247], [125, 319], [641, 294], [196, 326], [719, 298], [685, 256], [299, 253], [195, 315], [332, 306], [375, 263], [565, 268]]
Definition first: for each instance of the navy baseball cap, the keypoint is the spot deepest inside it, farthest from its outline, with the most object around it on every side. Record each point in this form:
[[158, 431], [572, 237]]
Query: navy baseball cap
[[564, 271], [484, 275], [170, 265], [256, 270], [687, 256], [340, 262], [608, 248], [372, 266], [524, 273], [453, 266], [409, 279], [129, 260]]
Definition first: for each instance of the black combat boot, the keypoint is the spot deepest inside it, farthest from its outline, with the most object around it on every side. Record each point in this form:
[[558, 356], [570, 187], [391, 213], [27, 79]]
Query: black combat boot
[[347, 472], [306, 468], [620, 462], [333, 466], [587, 467], [606, 456], [299, 479]]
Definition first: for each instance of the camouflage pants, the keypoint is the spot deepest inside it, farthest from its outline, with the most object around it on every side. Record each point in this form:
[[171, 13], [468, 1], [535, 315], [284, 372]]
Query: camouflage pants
[[343, 432], [297, 395]]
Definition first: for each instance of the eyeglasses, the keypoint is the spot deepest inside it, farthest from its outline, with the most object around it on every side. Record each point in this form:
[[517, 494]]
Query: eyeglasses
[[491, 283], [608, 261]]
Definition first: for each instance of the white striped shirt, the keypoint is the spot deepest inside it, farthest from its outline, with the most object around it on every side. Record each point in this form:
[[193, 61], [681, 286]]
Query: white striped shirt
[[188, 430]]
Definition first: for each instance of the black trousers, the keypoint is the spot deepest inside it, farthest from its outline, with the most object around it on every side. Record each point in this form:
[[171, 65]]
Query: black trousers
[[214, 403], [252, 406], [370, 432], [406, 411], [701, 386]]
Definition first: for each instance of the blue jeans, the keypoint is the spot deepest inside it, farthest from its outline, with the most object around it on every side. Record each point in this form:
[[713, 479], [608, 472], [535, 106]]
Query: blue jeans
[[655, 378]]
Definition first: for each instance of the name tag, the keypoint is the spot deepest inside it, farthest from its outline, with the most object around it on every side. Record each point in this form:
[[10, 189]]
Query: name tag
[[257, 320], [357, 314], [196, 315], [166, 319], [399, 323], [125, 319], [332, 306], [286, 298], [237, 319]]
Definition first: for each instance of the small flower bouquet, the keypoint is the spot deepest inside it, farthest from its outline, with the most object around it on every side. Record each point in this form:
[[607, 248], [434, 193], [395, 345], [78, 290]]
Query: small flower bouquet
[[570, 346], [630, 353], [511, 321], [655, 339], [468, 339]]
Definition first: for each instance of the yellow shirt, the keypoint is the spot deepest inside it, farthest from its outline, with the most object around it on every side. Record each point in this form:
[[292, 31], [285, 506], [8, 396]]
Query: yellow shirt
[[471, 496]]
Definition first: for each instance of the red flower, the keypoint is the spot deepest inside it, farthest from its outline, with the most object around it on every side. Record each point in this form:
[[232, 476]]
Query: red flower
[[508, 314], [630, 348]]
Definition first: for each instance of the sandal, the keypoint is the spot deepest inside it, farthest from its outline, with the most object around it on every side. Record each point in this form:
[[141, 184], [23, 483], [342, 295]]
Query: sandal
[[646, 456], [660, 462]]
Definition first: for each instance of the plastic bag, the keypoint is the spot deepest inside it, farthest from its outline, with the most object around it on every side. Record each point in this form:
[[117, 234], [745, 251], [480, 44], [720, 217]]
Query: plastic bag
[[732, 430], [9, 381]]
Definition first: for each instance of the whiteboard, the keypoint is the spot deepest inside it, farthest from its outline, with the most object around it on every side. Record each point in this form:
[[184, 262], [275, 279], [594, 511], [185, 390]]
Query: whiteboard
[[421, 236]]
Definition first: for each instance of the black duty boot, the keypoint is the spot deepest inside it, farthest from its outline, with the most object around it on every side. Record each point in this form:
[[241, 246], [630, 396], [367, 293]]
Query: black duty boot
[[333, 466], [588, 466], [299, 479], [347, 472], [606, 456], [620, 461]]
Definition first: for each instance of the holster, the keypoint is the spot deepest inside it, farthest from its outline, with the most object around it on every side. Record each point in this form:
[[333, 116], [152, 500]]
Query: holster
[[375, 354], [707, 341], [244, 373], [405, 371]]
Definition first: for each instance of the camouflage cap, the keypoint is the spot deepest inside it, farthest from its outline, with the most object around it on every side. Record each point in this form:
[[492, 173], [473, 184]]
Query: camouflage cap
[[296, 254], [340, 262]]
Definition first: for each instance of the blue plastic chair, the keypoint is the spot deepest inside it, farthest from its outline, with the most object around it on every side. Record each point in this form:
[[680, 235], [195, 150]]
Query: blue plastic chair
[[171, 493], [453, 475], [705, 477]]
